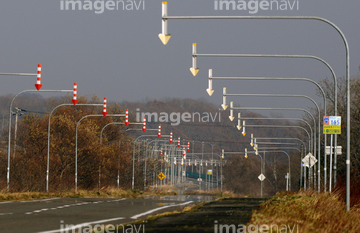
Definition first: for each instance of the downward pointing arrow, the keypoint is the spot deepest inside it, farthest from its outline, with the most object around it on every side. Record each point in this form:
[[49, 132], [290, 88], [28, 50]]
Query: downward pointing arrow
[[194, 71], [164, 38], [210, 92], [38, 86], [224, 106]]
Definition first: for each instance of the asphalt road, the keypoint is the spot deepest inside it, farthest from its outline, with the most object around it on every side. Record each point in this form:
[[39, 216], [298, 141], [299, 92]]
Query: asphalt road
[[66, 214]]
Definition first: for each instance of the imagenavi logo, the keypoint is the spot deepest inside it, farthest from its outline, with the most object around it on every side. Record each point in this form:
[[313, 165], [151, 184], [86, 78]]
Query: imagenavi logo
[[254, 6], [175, 118], [100, 6]]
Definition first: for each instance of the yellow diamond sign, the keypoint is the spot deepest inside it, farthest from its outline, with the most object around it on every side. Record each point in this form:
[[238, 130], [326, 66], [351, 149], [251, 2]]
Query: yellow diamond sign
[[161, 176]]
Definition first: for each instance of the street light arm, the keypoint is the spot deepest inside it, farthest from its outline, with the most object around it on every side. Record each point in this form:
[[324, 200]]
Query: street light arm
[[165, 17], [283, 56]]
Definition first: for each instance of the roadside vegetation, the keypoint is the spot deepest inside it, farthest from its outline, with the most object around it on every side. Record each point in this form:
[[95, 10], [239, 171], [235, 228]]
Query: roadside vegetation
[[105, 193], [308, 212]]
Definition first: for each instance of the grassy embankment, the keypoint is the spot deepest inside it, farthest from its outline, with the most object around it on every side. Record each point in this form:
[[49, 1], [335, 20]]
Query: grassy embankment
[[308, 212], [107, 193]]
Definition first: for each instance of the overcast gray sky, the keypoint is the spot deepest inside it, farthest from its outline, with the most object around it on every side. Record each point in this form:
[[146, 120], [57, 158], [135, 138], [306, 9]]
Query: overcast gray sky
[[117, 54]]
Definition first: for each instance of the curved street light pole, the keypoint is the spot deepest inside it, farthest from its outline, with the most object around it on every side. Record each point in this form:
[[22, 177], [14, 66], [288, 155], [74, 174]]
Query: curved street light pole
[[164, 36], [319, 117], [295, 109], [279, 78], [76, 136], [133, 172], [282, 151], [9, 138], [195, 55], [286, 118], [48, 146], [288, 139], [262, 163], [101, 133], [301, 96]]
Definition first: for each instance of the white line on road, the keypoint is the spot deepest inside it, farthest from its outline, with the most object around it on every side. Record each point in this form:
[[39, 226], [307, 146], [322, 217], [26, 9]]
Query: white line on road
[[6, 202], [49, 199], [2, 214], [160, 208], [79, 226], [76, 204]]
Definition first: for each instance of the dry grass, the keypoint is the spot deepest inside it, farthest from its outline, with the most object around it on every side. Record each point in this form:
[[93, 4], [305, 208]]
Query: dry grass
[[310, 211], [24, 196], [214, 192]]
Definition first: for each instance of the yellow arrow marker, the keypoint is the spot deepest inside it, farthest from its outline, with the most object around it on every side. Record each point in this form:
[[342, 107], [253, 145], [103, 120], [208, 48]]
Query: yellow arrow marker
[[194, 71], [210, 92], [164, 38]]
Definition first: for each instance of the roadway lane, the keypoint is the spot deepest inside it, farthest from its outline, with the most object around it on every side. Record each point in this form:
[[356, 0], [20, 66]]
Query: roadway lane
[[54, 215]]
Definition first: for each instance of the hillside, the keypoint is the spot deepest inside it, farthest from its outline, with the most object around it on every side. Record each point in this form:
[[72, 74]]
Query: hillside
[[196, 121]]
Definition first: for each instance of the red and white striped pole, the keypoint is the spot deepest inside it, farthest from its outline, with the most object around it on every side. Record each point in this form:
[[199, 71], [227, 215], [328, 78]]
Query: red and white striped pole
[[104, 110], [159, 133], [75, 100], [127, 117], [171, 137], [179, 141], [184, 151], [38, 84], [144, 125], [188, 147], [161, 152]]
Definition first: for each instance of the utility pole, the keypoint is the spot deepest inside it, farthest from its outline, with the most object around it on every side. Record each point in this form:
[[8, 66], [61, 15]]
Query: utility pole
[[16, 113]]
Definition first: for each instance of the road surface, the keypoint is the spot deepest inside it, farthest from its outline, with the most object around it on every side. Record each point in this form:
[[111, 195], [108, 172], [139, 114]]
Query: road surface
[[66, 214]]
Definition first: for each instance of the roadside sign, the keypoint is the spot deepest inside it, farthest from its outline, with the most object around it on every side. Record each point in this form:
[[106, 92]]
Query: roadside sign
[[338, 150], [309, 159], [209, 172], [332, 125], [161, 176], [261, 177]]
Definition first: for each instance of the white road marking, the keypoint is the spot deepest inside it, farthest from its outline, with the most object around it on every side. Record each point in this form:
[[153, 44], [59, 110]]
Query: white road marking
[[2, 214], [77, 204], [6, 202], [160, 208], [81, 225], [49, 199]]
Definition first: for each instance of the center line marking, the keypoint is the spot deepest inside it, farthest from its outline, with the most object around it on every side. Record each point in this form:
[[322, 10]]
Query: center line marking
[[160, 208]]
